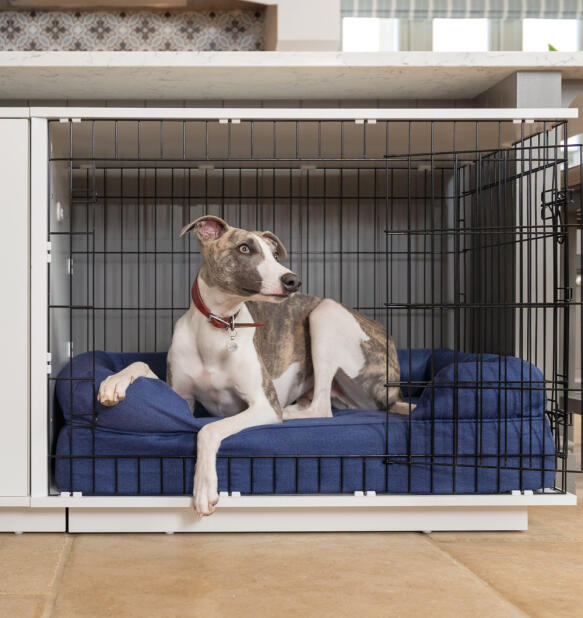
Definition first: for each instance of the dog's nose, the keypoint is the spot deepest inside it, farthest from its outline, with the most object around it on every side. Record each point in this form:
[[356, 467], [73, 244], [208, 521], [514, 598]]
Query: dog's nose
[[290, 282]]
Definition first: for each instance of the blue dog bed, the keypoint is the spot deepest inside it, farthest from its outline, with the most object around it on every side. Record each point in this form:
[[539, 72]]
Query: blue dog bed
[[487, 439]]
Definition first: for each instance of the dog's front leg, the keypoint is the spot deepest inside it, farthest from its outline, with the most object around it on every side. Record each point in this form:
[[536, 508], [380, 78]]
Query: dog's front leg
[[113, 389], [208, 442]]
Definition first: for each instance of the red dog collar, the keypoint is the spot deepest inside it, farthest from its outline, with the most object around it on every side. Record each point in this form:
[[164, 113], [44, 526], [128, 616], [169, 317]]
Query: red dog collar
[[215, 320]]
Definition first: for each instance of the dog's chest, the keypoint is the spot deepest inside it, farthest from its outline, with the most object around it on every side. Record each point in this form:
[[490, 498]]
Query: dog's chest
[[202, 368]]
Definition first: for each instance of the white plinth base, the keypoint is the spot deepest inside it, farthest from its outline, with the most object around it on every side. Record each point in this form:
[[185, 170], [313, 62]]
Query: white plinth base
[[297, 513], [298, 520], [17, 519]]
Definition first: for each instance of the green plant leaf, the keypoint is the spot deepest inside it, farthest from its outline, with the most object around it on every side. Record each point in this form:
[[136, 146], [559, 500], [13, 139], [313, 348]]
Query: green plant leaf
[[552, 48]]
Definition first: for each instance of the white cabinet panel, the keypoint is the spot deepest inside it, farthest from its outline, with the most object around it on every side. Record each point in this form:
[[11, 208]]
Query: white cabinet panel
[[14, 284]]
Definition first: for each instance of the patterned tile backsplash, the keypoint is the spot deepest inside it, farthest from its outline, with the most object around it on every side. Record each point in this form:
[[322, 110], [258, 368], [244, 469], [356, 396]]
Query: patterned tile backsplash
[[131, 30]]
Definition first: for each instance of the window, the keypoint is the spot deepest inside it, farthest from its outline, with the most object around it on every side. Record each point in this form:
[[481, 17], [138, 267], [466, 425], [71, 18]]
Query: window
[[360, 34], [574, 153], [463, 35], [538, 34]]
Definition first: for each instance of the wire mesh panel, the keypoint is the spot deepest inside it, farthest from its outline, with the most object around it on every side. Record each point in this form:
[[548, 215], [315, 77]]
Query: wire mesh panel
[[453, 235]]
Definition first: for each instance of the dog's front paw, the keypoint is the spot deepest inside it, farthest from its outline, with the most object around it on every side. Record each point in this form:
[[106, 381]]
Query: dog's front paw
[[113, 389], [205, 497]]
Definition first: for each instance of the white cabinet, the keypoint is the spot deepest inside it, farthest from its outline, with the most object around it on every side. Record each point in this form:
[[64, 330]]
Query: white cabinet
[[55, 159], [14, 307]]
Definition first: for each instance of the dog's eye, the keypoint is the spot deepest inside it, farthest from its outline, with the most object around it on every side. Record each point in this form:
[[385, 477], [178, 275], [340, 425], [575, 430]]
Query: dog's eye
[[244, 249], [276, 256]]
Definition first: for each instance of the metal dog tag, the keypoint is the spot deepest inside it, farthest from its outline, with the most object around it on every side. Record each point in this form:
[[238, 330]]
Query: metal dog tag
[[232, 345]]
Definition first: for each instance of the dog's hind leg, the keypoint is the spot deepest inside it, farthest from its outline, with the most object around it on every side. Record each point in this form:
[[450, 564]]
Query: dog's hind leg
[[335, 338], [349, 357]]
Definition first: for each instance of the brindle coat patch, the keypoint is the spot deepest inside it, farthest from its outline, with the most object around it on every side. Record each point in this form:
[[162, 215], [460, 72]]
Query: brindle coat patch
[[269, 389], [373, 375], [285, 338], [229, 269]]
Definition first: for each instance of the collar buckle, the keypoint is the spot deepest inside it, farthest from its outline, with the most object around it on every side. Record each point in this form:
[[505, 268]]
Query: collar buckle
[[212, 316]]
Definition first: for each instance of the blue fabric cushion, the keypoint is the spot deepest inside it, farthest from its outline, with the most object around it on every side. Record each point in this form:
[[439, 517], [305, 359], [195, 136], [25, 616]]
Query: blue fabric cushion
[[486, 387], [150, 405], [473, 442], [256, 461]]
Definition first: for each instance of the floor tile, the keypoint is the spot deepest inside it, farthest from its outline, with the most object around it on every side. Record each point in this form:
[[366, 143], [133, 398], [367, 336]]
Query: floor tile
[[17, 606], [566, 522], [542, 578], [29, 562], [269, 575]]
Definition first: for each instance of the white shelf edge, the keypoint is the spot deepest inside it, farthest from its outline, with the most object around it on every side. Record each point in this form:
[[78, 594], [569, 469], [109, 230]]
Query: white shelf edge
[[295, 113], [307, 501]]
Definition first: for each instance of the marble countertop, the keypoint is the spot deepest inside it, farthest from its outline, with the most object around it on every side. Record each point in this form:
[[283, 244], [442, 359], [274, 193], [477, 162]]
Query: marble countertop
[[267, 75]]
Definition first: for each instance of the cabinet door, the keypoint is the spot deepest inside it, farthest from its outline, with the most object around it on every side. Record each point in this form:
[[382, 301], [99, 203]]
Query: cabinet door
[[14, 308]]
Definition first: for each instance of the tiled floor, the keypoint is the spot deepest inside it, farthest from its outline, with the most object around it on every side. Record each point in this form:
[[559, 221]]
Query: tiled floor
[[534, 573]]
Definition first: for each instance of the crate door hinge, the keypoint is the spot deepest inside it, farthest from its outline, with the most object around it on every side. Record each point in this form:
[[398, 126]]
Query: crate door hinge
[[49, 363], [48, 252], [554, 204]]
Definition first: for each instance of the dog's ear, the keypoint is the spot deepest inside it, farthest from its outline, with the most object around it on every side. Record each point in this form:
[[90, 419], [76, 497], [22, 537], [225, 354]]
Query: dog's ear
[[206, 228], [275, 243]]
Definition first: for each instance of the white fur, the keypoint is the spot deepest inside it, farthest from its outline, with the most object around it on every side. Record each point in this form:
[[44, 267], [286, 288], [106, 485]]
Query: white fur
[[289, 386], [270, 270], [228, 384]]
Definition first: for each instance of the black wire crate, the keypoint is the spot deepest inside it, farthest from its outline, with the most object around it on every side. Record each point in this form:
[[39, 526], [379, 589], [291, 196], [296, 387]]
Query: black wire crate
[[455, 235]]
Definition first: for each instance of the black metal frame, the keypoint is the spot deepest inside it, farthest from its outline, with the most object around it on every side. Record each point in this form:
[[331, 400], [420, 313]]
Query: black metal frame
[[442, 220]]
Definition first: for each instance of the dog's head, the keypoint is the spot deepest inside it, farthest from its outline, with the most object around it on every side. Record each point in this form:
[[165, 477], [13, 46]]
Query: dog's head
[[244, 263]]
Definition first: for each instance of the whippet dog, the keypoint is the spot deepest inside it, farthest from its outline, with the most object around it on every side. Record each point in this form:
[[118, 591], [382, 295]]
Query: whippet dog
[[253, 350]]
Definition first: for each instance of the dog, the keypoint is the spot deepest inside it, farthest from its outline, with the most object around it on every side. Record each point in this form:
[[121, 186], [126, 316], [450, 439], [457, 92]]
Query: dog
[[255, 351]]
